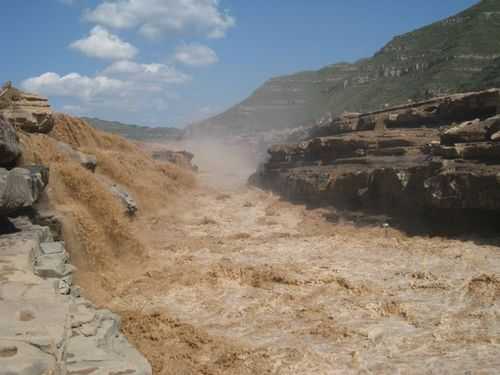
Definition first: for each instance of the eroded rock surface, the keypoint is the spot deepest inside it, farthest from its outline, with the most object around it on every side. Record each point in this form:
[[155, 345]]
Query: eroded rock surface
[[29, 112], [413, 161], [21, 187], [125, 198], [10, 150], [441, 111], [46, 327]]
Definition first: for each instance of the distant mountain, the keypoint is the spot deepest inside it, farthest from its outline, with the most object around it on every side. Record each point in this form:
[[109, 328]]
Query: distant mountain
[[135, 132], [460, 52]]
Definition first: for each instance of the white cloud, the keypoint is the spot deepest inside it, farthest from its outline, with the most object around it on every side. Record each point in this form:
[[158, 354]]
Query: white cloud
[[157, 73], [124, 87], [195, 55], [74, 85], [104, 45], [155, 17]]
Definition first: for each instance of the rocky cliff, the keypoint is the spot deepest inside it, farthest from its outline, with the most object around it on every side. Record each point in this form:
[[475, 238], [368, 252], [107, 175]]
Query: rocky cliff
[[446, 57], [69, 195], [28, 112], [434, 162]]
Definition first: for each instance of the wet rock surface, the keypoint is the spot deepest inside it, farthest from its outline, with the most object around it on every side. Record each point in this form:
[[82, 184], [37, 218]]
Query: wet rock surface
[[46, 327], [125, 198], [413, 163], [85, 160]]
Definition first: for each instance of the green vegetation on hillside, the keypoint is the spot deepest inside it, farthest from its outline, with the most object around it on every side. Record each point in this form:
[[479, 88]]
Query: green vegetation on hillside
[[135, 132], [459, 53]]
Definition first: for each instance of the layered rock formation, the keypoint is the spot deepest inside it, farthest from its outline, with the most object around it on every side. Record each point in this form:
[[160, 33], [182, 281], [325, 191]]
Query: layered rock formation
[[29, 112], [410, 161]]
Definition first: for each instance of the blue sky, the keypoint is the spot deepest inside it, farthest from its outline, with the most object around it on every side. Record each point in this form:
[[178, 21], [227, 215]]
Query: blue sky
[[169, 62]]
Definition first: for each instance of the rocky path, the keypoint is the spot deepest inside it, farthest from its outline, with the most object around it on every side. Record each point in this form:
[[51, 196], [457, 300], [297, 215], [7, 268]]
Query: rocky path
[[239, 282]]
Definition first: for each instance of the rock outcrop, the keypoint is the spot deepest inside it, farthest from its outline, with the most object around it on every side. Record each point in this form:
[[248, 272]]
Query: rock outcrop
[[46, 326], [10, 150], [125, 198], [404, 166], [29, 112], [20, 188], [440, 111]]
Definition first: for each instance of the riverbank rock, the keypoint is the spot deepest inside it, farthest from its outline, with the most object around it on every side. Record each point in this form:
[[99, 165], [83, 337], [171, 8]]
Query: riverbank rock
[[410, 164], [46, 327], [20, 188], [85, 160], [28, 112], [125, 198], [10, 150]]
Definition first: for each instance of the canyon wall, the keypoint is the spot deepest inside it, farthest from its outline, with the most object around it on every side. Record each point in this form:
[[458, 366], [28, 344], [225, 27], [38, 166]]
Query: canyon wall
[[436, 161]]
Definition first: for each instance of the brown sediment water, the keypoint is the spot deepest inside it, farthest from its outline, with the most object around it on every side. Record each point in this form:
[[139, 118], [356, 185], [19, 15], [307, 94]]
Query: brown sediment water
[[239, 282]]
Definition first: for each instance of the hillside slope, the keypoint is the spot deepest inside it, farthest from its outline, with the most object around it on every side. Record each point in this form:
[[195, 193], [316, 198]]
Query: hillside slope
[[445, 57], [134, 132]]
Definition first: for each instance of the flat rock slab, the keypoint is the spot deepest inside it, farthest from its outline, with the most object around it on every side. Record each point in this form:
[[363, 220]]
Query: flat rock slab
[[23, 359], [44, 327]]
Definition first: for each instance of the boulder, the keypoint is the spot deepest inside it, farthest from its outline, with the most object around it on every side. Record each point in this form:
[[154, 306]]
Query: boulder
[[10, 150], [28, 112], [87, 161], [129, 202], [20, 188]]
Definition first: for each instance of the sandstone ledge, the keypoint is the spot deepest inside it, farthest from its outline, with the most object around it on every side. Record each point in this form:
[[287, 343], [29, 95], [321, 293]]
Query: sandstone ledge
[[405, 166]]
